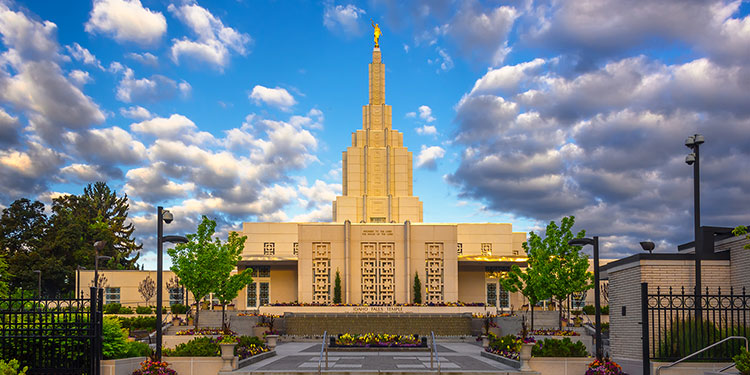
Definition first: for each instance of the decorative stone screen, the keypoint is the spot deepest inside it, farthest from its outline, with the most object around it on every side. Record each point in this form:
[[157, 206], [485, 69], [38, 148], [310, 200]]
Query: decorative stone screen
[[295, 248], [269, 248], [486, 249], [378, 273], [321, 258], [434, 272], [460, 248]]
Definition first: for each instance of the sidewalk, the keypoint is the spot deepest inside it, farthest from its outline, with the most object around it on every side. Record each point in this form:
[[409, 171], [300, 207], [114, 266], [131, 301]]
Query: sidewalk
[[297, 357]]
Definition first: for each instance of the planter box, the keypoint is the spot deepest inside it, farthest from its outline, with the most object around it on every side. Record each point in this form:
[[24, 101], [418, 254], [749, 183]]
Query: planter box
[[197, 365], [506, 361], [124, 366], [171, 341], [560, 365], [256, 358]]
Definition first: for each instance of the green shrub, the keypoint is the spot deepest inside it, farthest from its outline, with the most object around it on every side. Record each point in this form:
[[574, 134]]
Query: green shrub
[[12, 368], [112, 308], [508, 342], [114, 338], [742, 361], [605, 310], [136, 349], [179, 308], [143, 310], [197, 347], [605, 327], [139, 322], [249, 340], [590, 310], [125, 310], [559, 348], [682, 337]]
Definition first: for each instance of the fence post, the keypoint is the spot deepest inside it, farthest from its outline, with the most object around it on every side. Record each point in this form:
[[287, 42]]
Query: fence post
[[93, 344], [99, 323], [644, 329]]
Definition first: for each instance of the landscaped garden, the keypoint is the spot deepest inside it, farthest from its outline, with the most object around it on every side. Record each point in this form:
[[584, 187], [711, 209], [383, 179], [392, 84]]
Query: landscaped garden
[[247, 346]]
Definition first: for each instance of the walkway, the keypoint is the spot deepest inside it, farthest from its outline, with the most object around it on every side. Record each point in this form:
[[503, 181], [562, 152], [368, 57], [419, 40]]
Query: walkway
[[297, 357]]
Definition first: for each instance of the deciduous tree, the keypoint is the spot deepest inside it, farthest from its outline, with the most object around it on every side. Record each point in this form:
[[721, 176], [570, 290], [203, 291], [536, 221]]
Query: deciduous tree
[[147, 288]]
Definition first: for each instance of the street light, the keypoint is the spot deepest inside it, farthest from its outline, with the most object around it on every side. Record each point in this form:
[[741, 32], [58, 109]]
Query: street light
[[39, 283], [597, 297], [165, 216], [648, 246], [693, 142]]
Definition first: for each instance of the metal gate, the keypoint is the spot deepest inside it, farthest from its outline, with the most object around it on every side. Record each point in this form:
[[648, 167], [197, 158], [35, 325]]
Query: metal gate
[[53, 336]]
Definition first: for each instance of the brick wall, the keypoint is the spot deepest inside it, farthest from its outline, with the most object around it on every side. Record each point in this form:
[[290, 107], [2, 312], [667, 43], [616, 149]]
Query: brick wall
[[316, 324], [740, 268]]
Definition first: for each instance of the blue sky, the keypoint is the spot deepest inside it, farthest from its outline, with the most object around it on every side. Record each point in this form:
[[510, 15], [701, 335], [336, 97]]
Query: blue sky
[[517, 111]]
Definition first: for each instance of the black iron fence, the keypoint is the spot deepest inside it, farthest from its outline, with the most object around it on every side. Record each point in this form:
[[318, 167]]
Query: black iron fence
[[676, 326], [53, 336]]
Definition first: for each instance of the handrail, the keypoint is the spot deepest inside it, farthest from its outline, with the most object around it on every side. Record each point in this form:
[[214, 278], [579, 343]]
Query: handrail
[[323, 347], [434, 353], [658, 369]]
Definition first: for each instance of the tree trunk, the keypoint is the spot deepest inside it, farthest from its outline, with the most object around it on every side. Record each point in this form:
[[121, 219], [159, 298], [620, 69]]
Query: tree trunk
[[560, 309], [532, 314], [197, 312], [223, 319]]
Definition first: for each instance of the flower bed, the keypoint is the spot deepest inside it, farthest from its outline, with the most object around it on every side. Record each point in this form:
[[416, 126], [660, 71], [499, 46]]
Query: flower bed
[[553, 332], [442, 304], [149, 367], [508, 346], [203, 332], [380, 340], [604, 367], [247, 346]]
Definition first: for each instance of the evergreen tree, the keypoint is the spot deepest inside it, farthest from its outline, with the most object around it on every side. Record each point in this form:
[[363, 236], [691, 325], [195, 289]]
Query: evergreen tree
[[337, 288], [417, 289]]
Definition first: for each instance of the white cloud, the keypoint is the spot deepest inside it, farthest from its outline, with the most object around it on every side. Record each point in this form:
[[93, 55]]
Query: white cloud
[[83, 173], [427, 130], [79, 77], [411, 114], [276, 97], [136, 113], [84, 55], [483, 34], [214, 40], [29, 39], [145, 58], [175, 127], [425, 113], [156, 88], [127, 21], [506, 78], [428, 157], [344, 19]]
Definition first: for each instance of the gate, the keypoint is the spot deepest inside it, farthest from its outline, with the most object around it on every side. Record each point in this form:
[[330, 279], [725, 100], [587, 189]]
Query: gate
[[674, 326], [53, 336]]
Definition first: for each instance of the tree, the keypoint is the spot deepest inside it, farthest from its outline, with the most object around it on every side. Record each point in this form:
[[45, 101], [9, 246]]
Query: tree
[[532, 281], [417, 289], [4, 276], [23, 229], [742, 230], [204, 264], [229, 285], [147, 288], [337, 288]]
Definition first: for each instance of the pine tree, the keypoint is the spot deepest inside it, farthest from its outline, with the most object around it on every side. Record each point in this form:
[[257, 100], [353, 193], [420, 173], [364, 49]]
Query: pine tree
[[417, 289], [337, 289]]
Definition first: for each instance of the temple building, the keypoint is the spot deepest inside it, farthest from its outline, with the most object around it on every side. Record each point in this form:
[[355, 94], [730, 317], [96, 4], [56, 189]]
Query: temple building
[[378, 241]]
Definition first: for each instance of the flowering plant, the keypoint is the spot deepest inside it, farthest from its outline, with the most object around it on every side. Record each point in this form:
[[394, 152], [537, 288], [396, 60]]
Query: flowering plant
[[553, 332], [229, 339], [377, 340], [202, 331], [508, 346], [149, 367], [604, 367], [250, 350]]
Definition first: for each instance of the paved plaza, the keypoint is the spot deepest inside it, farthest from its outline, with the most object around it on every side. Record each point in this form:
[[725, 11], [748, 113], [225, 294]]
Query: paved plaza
[[303, 357]]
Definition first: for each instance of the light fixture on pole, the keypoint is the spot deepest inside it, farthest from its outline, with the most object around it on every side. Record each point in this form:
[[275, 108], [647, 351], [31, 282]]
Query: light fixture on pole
[[597, 296], [648, 246], [39, 283], [693, 142], [162, 216]]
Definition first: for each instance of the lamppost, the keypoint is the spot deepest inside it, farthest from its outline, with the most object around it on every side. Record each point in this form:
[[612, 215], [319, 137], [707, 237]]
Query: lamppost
[[597, 296], [693, 142], [39, 283], [162, 216]]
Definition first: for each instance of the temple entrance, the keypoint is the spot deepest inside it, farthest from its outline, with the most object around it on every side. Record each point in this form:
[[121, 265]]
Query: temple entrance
[[378, 273]]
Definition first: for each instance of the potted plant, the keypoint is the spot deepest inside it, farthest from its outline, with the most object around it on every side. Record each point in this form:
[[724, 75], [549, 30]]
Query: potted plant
[[272, 337], [227, 345], [742, 361], [527, 343]]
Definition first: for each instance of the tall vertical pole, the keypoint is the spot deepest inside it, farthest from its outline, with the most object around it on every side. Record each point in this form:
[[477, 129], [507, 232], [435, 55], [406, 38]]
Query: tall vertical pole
[[597, 300], [159, 234], [96, 270], [698, 238], [644, 330]]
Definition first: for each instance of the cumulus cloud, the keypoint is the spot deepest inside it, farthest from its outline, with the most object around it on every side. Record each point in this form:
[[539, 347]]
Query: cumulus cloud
[[126, 21], [343, 19], [425, 113], [428, 157], [79, 77], [174, 127], [316, 200], [83, 173], [152, 89], [275, 97], [214, 40], [145, 58], [83, 55], [9, 127], [483, 33], [136, 113], [427, 130]]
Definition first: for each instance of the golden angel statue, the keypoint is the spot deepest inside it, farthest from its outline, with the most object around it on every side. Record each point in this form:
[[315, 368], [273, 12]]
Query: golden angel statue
[[377, 33]]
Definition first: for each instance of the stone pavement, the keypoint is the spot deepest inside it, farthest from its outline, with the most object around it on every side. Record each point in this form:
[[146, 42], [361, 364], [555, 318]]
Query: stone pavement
[[298, 357]]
